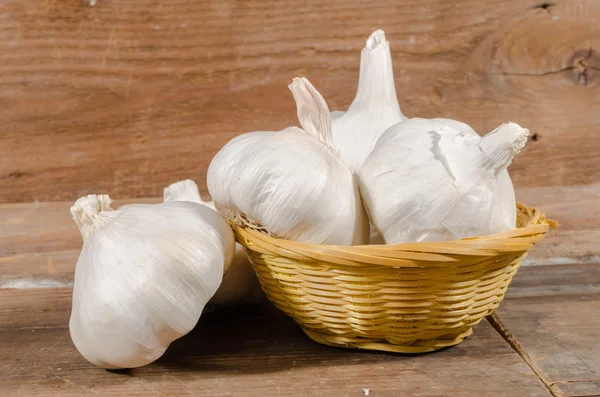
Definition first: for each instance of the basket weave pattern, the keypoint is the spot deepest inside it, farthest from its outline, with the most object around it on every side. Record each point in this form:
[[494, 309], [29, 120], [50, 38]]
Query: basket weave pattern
[[405, 298]]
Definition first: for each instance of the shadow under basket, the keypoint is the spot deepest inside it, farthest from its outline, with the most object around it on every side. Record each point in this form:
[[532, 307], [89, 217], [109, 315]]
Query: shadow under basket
[[403, 298]]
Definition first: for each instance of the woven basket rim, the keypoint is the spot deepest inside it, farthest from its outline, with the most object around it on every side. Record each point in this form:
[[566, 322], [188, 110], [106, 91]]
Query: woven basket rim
[[532, 228]]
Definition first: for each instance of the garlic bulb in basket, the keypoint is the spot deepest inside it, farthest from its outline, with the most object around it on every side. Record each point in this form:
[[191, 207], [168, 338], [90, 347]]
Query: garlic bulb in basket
[[507, 206], [240, 284], [143, 277], [426, 181], [291, 183], [374, 109]]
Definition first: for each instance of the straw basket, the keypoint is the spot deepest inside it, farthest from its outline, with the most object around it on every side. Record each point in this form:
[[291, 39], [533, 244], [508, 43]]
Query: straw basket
[[404, 298]]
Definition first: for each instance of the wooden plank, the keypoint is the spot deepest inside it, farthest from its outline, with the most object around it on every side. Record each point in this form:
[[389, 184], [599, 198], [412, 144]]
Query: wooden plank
[[563, 247], [47, 269], [242, 352], [556, 281], [42, 227], [39, 243], [552, 314], [35, 308], [127, 97], [575, 209]]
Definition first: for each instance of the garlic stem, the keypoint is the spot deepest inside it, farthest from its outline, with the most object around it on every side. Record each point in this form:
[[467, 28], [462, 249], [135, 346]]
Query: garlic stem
[[376, 89], [86, 209], [313, 112], [503, 144], [186, 190]]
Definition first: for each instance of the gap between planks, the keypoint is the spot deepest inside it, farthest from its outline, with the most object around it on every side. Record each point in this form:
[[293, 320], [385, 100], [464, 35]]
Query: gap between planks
[[498, 325]]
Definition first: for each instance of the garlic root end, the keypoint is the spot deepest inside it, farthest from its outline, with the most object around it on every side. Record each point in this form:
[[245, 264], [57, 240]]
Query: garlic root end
[[86, 209], [186, 190]]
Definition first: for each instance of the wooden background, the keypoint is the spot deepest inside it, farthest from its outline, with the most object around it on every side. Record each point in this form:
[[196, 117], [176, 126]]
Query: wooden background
[[129, 96]]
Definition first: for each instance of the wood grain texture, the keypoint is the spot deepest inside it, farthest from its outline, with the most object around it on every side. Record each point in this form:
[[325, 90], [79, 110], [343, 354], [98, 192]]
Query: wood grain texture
[[244, 352], [39, 243], [576, 210], [552, 313], [43, 227], [126, 97]]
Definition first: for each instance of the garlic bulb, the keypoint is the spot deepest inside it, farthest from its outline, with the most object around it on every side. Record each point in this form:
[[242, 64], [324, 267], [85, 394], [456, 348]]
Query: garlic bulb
[[430, 181], [374, 109], [291, 183], [143, 277], [240, 284], [507, 206]]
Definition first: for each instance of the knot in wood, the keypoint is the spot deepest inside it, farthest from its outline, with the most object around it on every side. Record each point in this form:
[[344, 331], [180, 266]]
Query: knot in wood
[[585, 64]]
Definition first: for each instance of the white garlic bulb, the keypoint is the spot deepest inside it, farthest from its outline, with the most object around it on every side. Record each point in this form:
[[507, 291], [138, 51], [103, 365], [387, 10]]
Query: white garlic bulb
[[240, 284], [143, 277], [426, 181], [291, 182], [374, 109], [505, 192]]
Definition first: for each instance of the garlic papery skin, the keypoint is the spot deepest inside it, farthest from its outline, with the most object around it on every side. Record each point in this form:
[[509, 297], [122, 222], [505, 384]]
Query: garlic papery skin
[[507, 203], [507, 206], [186, 190], [291, 183], [426, 181], [240, 284], [143, 277], [374, 109]]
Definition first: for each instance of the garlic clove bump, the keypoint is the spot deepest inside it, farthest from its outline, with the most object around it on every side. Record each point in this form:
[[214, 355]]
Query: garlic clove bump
[[240, 284]]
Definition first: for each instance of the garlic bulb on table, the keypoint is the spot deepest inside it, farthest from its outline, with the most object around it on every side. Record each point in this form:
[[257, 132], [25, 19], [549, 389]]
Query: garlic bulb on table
[[240, 284], [426, 181], [374, 109], [143, 277], [291, 183]]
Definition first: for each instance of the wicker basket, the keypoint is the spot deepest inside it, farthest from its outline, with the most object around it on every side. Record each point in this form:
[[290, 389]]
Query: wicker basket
[[404, 298]]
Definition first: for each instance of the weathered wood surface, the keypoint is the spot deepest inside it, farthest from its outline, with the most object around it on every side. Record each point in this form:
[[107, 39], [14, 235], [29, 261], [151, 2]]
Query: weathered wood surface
[[550, 319], [126, 97], [39, 243], [553, 315], [577, 210], [244, 352]]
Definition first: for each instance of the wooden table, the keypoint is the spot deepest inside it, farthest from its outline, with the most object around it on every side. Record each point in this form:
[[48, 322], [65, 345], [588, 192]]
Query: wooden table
[[543, 341], [129, 96]]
